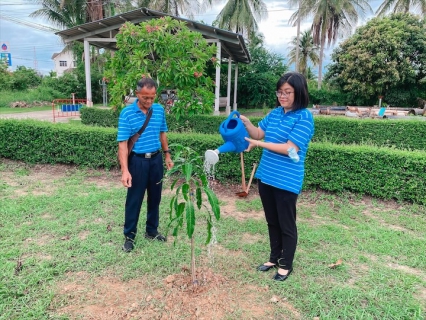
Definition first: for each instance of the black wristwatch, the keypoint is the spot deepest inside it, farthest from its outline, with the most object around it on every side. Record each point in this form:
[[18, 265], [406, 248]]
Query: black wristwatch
[[167, 151]]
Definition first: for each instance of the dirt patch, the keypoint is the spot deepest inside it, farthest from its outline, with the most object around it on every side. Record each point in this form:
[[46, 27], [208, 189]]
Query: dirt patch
[[408, 270], [175, 297]]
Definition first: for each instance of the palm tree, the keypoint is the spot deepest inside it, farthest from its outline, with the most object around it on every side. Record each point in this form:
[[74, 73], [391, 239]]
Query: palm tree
[[176, 7], [308, 52], [241, 16], [402, 6], [292, 3], [62, 13], [331, 19], [310, 75]]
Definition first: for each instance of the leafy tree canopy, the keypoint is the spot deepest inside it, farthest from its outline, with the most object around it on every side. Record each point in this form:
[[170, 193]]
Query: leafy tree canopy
[[257, 80], [386, 57], [165, 50]]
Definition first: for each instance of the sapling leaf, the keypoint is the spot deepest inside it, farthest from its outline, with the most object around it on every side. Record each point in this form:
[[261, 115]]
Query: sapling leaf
[[173, 184], [173, 206], [209, 229], [185, 191], [176, 231], [214, 202], [199, 198], [187, 171], [204, 180], [190, 219], [180, 209]]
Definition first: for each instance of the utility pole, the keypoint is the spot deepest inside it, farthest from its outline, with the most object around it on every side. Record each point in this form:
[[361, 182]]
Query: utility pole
[[35, 60]]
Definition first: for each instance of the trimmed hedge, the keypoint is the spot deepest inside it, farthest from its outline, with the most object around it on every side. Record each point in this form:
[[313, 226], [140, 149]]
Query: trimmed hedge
[[99, 117], [402, 134], [380, 172]]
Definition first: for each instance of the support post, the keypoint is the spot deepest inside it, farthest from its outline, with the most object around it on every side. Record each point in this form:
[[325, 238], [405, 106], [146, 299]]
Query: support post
[[217, 81], [228, 92], [87, 72], [235, 86]]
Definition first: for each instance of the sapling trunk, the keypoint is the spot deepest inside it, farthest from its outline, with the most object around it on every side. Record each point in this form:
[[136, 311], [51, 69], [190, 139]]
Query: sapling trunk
[[194, 280]]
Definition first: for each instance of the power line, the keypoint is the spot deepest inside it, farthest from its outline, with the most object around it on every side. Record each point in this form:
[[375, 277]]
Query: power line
[[27, 59], [29, 24]]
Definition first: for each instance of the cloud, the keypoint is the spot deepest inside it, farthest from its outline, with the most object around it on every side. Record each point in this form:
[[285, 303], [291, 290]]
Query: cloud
[[31, 47]]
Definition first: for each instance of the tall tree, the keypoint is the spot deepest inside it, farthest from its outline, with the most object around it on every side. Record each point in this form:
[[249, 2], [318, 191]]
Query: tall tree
[[62, 13], [176, 7], [292, 3], [241, 16], [331, 19], [308, 52], [402, 6], [386, 57]]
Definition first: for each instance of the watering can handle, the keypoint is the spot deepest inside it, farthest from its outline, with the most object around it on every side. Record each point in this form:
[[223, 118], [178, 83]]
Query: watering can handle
[[231, 115]]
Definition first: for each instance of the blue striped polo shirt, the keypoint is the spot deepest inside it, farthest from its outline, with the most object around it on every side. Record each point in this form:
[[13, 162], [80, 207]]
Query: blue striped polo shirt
[[277, 169], [131, 120]]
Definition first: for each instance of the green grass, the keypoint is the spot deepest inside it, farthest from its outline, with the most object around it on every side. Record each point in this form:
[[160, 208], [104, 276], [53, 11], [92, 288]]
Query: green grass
[[28, 96], [22, 110], [73, 223]]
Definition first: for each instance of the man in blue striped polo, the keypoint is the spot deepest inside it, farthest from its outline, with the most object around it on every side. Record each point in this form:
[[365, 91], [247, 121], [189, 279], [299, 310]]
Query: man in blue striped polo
[[142, 170]]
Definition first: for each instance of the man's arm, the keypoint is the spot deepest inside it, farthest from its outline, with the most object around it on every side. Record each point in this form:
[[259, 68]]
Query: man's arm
[[126, 178], [165, 147]]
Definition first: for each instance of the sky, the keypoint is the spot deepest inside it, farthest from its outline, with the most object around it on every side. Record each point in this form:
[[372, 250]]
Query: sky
[[33, 48]]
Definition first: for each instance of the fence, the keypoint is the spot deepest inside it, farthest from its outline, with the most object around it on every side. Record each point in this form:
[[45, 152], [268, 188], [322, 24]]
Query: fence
[[67, 107]]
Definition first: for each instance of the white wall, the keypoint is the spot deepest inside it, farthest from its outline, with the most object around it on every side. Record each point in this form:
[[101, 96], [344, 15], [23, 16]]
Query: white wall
[[63, 61]]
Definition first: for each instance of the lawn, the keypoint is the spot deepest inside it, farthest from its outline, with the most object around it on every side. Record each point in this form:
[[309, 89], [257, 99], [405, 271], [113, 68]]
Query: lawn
[[61, 258]]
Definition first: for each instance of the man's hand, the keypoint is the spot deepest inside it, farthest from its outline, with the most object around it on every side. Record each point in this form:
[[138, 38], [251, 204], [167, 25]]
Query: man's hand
[[169, 162], [126, 179]]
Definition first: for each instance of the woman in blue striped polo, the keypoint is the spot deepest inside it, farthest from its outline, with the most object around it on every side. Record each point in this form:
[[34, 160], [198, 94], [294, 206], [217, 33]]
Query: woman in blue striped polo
[[289, 125]]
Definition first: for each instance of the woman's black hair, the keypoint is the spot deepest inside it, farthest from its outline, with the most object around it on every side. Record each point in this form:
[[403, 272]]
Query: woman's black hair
[[300, 86]]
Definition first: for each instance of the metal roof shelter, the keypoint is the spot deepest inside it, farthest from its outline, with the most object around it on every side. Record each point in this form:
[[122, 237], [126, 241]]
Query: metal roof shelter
[[101, 33]]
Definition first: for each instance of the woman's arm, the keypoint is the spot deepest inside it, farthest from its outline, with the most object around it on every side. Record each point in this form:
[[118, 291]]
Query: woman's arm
[[254, 132]]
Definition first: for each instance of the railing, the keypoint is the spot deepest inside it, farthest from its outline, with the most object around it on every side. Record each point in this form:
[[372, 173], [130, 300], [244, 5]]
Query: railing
[[67, 107]]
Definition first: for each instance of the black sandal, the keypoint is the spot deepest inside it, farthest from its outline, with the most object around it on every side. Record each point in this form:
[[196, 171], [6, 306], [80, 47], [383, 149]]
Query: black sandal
[[264, 268], [281, 277]]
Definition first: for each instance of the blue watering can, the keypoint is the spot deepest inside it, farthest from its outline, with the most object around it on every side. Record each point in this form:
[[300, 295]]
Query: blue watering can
[[233, 133]]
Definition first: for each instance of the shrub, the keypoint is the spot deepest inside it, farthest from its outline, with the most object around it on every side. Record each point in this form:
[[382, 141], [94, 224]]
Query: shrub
[[380, 172]]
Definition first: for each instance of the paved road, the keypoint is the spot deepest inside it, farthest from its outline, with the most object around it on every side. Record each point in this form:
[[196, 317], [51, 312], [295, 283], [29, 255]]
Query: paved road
[[41, 115]]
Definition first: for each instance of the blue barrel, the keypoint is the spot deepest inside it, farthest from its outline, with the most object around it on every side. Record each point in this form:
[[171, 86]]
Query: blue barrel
[[233, 133]]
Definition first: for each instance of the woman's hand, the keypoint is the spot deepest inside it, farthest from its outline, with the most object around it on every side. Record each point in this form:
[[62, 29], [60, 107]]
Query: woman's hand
[[252, 144], [245, 120]]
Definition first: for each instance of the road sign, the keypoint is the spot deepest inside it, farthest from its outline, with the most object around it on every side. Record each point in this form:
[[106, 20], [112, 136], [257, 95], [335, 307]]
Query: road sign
[[7, 57], [4, 46]]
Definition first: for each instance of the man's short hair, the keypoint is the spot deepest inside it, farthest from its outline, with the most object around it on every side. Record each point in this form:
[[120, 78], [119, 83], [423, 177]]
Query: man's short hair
[[146, 82]]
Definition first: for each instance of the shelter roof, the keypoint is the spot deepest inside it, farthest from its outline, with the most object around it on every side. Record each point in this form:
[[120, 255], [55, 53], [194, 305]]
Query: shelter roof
[[232, 44]]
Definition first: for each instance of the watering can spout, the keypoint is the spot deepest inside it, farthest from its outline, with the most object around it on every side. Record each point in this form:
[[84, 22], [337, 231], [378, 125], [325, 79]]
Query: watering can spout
[[227, 147]]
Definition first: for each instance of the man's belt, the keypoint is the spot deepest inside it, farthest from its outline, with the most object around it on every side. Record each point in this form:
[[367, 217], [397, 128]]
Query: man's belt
[[147, 155]]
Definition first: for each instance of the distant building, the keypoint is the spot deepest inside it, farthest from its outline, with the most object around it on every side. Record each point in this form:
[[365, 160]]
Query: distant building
[[64, 62]]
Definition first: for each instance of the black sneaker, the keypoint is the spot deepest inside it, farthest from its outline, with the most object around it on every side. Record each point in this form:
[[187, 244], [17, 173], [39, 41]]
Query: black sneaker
[[128, 245], [158, 237]]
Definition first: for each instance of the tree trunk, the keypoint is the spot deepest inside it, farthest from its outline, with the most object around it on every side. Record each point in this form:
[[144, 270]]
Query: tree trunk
[[298, 41], [321, 59]]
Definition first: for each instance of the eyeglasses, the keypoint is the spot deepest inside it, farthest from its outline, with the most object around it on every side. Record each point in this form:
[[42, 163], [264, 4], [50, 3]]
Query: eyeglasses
[[146, 98], [283, 94]]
